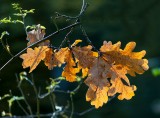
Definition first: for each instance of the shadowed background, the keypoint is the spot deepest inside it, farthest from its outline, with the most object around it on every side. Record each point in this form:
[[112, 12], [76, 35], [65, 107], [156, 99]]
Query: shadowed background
[[111, 20]]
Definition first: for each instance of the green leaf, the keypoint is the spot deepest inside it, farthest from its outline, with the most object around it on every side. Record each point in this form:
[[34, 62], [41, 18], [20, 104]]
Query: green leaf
[[14, 98], [6, 20], [16, 6], [156, 72], [28, 11]]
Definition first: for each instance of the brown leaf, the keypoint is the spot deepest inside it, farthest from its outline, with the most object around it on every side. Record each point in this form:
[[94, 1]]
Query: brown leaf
[[33, 57], [35, 35], [84, 55], [98, 84], [107, 75], [56, 58]]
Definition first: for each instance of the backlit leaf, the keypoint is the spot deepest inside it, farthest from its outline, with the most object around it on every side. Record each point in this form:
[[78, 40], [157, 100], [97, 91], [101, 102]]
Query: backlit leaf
[[33, 57]]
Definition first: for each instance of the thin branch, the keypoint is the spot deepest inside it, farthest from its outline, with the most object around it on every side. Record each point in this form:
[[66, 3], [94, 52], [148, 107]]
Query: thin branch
[[82, 11], [21, 91], [86, 36], [72, 104], [19, 104], [65, 38], [60, 91], [37, 99], [90, 109], [39, 41], [52, 101]]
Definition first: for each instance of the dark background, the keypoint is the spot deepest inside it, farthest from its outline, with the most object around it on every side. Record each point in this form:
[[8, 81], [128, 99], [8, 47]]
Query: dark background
[[111, 20]]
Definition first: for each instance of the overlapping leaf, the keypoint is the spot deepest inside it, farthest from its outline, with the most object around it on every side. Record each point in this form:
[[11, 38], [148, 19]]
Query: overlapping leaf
[[116, 63], [98, 83], [55, 58], [132, 61], [107, 72]]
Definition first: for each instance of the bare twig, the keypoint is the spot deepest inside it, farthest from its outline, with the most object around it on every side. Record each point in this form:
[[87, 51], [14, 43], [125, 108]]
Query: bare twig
[[72, 104], [39, 41], [82, 11], [37, 99], [60, 91], [21, 91], [88, 40], [19, 104], [65, 38]]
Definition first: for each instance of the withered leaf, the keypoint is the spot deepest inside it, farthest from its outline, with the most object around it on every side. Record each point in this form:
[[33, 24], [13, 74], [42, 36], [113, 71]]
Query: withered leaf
[[56, 58], [35, 35], [84, 55], [111, 69], [98, 84]]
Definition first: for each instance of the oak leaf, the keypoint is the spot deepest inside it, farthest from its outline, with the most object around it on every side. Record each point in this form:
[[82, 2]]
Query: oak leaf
[[33, 57], [35, 35], [84, 55], [55, 58], [98, 84], [78, 58], [132, 61], [120, 83], [126, 92], [70, 70], [107, 75]]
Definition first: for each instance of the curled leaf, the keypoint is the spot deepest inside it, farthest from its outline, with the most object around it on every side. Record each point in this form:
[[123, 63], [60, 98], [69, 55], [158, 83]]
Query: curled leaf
[[35, 35]]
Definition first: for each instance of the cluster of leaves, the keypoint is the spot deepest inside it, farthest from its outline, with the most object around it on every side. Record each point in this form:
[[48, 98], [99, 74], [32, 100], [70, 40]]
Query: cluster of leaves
[[20, 12], [105, 69]]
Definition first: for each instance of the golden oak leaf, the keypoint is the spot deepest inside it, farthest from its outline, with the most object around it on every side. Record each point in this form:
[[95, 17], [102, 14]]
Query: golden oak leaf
[[111, 68], [84, 72], [76, 42], [118, 86], [98, 84], [70, 70], [82, 58], [33, 57], [132, 61], [126, 92], [84, 55], [56, 58]]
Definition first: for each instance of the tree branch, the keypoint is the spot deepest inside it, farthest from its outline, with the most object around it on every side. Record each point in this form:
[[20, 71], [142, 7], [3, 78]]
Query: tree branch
[[39, 41]]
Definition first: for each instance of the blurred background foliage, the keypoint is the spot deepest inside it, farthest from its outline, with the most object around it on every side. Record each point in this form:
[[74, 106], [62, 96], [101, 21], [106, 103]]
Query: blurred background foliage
[[111, 20]]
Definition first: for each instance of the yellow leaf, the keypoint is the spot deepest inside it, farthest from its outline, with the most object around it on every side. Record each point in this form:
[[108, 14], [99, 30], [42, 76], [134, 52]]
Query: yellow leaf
[[76, 42], [126, 92], [132, 61], [70, 70], [33, 57], [107, 73], [84, 72]]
